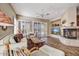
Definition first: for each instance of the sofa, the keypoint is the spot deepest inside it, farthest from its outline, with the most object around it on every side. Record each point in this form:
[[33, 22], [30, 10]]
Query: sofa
[[43, 51], [16, 46], [48, 51], [9, 40], [3, 46], [3, 50]]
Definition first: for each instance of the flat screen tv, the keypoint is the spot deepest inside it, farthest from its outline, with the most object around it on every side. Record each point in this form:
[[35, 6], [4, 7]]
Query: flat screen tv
[[56, 30]]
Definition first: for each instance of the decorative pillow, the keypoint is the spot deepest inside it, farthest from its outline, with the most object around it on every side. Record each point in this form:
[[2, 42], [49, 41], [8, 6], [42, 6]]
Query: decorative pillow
[[18, 37]]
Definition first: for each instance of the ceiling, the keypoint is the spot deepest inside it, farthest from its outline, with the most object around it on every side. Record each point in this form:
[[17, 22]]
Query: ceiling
[[42, 10]]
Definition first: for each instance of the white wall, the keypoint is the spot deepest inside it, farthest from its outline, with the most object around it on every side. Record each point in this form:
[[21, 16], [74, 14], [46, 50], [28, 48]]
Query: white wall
[[6, 32], [69, 16]]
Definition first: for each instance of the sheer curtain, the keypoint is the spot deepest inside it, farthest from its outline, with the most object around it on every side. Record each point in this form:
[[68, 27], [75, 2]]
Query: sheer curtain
[[40, 29], [24, 27]]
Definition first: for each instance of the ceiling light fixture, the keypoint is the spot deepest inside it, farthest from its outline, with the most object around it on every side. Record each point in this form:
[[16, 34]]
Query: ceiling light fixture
[[43, 13]]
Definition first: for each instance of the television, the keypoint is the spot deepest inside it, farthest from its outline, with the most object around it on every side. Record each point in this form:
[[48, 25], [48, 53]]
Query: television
[[55, 30]]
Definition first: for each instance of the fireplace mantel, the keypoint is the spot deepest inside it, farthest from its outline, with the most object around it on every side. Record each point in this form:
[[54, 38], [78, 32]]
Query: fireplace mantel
[[74, 27]]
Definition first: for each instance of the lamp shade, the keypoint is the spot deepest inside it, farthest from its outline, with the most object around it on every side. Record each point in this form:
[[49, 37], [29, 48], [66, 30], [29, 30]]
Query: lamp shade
[[5, 20]]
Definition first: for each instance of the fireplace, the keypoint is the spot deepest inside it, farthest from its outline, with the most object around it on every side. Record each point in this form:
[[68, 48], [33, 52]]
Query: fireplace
[[71, 33]]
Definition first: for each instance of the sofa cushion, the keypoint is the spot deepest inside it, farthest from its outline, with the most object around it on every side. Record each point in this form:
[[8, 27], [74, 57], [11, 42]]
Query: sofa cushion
[[38, 53], [20, 45], [51, 51], [3, 50]]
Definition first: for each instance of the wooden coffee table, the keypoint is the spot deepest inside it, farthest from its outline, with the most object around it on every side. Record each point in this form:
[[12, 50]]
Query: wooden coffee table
[[37, 42]]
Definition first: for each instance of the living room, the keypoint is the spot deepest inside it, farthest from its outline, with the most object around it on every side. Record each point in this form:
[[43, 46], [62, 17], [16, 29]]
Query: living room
[[39, 29]]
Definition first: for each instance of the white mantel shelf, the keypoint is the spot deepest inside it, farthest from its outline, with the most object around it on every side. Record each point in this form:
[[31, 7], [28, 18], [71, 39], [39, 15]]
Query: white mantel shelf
[[70, 27]]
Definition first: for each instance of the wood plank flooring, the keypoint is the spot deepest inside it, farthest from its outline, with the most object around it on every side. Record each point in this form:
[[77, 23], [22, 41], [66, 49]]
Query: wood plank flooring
[[69, 50]]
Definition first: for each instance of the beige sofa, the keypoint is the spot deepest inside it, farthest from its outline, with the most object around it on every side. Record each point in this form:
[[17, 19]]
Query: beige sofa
[[43, 51], [3, 50], [16, 46], [12, 44], [48, 51], [3, 47]]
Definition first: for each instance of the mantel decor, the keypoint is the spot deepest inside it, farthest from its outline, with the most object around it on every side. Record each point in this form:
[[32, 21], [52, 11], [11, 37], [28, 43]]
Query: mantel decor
[[64, 21], [72, 23]]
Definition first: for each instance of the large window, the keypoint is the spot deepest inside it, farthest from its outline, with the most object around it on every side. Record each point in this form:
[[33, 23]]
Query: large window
[[24, 27], [40, 29]]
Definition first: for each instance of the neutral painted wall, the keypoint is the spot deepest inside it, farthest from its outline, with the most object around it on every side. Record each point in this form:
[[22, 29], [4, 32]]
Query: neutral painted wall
[[7, 9], [6, 32], [70, 16]]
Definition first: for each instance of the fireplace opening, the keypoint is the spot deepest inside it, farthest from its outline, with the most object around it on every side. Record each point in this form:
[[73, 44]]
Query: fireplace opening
[[70, 33]]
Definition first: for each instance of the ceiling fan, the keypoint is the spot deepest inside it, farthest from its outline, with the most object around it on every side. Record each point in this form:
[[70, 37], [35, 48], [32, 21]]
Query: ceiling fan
[[42, 14]]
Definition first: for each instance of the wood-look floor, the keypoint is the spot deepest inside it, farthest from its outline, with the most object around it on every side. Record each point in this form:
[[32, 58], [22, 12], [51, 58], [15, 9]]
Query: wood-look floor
[[69, 50]]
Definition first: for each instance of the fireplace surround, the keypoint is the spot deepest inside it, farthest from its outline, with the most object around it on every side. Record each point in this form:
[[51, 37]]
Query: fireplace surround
[[71, 33]]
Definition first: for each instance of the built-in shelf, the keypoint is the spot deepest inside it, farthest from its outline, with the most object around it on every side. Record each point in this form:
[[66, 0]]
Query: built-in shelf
[[55, 27]]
